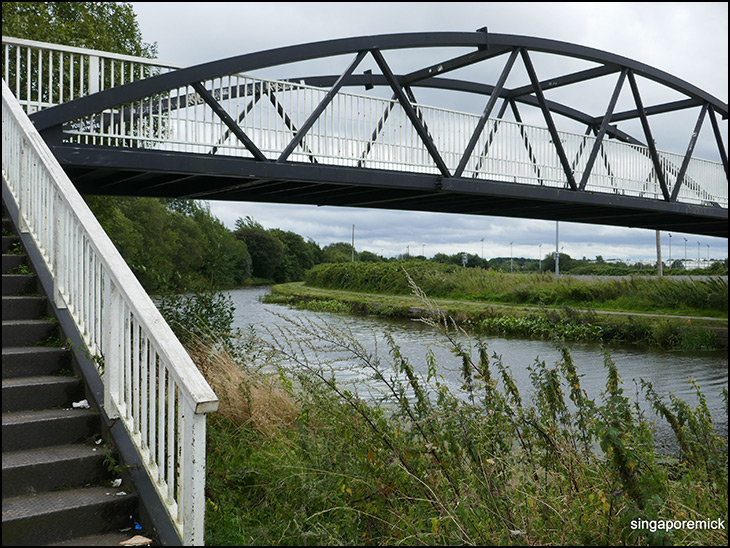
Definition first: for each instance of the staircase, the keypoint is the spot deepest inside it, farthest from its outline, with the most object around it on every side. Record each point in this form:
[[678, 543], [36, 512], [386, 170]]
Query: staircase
[[57, 467]]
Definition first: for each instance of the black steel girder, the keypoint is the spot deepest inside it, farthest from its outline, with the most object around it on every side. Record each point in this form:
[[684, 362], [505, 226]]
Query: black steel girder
[[145, 172], [174, 174]]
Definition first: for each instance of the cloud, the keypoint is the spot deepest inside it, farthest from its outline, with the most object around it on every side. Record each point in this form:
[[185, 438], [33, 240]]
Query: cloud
[[689, 41]]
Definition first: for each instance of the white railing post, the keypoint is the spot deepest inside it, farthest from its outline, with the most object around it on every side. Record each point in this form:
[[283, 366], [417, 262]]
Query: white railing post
[[59, 257], [23, 184], [193, 465], [113, 351], [93, 75]]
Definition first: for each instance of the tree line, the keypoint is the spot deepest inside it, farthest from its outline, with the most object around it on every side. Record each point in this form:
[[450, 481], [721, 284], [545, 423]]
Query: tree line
[[179, 245]]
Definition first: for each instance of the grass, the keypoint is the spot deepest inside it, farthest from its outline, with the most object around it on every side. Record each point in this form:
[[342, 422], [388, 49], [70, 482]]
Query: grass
[[707, 297], [295, 458], [657, 331]]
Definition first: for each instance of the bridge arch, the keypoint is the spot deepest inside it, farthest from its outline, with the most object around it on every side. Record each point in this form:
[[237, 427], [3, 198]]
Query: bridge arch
[[673, 195]]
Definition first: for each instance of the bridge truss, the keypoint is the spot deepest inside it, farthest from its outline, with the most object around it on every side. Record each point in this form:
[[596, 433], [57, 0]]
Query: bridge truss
[[214, 131]]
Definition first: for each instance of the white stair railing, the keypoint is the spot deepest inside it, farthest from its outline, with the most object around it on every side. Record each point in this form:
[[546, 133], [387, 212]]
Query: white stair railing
[[150, 382]]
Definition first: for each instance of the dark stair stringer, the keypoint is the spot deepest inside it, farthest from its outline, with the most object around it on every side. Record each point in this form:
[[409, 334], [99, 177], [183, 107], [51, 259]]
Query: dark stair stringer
[[59, 460]]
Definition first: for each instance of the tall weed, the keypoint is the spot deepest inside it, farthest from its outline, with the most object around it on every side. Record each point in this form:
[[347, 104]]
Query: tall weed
[[404, 459]]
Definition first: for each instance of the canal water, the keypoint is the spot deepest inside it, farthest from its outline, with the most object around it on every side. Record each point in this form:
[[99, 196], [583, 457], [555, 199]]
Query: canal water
[[668, 372]]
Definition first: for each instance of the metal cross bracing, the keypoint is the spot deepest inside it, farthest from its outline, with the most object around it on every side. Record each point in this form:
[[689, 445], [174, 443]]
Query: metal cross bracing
[[214, 131]]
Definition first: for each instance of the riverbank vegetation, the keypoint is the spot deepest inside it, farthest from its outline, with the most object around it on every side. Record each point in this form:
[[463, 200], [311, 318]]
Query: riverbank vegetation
[[707, 297], [296, 458], [522, 305], [179, 245]]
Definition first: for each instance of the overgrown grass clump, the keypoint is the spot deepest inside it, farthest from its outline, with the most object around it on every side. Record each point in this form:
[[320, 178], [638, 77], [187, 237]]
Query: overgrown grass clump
[[699, 297], [412, 462]]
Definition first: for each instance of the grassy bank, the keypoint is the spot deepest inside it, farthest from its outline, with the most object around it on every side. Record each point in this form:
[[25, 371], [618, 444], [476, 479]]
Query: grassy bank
[[662, 331], [706, 297], [294, 459]]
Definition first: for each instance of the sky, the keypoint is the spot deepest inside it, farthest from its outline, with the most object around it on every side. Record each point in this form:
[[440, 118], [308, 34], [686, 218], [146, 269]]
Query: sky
[[687, 40]]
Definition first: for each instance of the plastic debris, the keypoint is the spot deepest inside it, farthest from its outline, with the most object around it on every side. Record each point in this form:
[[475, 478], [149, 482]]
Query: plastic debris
[[83, 404], [137, 540]]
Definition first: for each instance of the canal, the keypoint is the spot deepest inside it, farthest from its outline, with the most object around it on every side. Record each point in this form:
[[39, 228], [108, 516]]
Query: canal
[[668, 372]]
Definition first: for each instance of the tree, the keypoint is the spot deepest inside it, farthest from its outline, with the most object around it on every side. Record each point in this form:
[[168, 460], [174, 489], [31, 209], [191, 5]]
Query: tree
[[368, 257], [107, 26], [339, 252], [299, 256], [266, 250], [225, 261]]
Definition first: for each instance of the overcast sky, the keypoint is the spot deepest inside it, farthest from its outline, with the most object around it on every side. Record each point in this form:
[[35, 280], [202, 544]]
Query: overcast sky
[[687, 40]]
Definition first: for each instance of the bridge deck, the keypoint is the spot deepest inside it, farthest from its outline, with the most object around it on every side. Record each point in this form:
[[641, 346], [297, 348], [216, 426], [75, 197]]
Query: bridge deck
[[238, 179]]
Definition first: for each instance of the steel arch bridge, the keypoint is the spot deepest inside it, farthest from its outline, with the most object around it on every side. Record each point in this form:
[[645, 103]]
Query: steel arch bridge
[[212, 131]]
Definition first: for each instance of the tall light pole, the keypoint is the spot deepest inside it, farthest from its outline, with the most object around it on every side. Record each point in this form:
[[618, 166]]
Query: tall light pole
[[670, 251], [510, 257], [557, 251], [698, 254], [539, 255], [685, 253]]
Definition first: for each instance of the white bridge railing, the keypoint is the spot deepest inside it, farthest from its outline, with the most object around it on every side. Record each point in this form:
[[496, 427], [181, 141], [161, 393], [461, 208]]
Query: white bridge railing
[[150, 382], [270, 112]]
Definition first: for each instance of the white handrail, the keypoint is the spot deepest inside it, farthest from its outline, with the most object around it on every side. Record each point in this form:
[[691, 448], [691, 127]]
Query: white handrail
[[62, 73], [150, 382]]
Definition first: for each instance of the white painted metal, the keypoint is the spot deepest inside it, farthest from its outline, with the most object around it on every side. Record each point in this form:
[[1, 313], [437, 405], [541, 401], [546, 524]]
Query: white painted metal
[[150, 382], [270, 113]]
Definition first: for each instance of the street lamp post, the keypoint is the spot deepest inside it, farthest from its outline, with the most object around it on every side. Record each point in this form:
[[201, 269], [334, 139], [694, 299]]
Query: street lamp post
[[670, 251], [510, 257], [539, 255], [557, 251], [698, 254]]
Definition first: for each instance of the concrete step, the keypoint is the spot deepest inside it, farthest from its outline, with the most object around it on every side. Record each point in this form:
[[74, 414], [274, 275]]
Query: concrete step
[[23, 430], [11, 262], [113, 538], [20, 284], [11, 245], [40, 518], [29, 332], [23, 307], [41, 392], [57, 483], [55, 467], [29, 361]]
